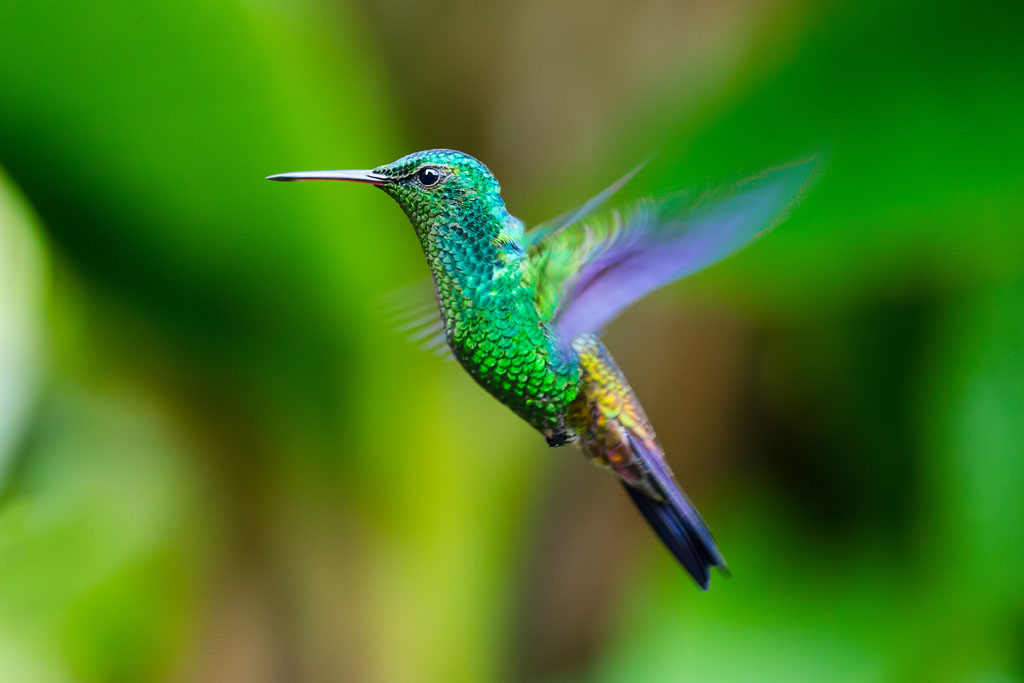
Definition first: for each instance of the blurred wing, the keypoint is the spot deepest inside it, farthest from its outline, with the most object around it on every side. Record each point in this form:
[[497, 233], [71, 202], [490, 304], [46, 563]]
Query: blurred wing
[[413, 312], [586, 275], [548, 228]]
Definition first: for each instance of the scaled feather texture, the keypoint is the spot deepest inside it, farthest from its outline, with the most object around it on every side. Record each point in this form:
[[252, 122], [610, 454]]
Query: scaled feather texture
[[522, 312]]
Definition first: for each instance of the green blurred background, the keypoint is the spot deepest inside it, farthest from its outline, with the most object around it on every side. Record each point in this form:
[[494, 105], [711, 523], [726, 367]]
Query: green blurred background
[[219, 462]]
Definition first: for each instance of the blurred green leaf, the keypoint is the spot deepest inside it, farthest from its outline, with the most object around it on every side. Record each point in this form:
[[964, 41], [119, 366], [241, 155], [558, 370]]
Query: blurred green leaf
[[22, 288], [974, 422], [142, 133], [99, 535]]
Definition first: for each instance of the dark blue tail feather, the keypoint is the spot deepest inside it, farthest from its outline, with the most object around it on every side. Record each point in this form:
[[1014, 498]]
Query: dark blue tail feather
[[682, 531]]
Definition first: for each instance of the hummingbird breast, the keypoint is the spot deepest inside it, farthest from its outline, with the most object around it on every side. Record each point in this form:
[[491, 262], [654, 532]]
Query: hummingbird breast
[[497, 334]]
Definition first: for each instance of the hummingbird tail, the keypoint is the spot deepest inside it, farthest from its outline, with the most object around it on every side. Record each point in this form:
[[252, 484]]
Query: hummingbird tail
[[683, 532], [616, 434]]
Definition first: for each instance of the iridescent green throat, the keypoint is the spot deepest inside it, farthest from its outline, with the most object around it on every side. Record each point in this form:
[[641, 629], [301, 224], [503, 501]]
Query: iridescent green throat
[[475, 252]]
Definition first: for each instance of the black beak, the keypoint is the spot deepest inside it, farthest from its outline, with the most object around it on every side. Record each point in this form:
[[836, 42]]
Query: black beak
[[350, 176]]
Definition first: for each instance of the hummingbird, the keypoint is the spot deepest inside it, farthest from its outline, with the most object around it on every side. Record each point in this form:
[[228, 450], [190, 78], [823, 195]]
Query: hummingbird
[[522, 311]]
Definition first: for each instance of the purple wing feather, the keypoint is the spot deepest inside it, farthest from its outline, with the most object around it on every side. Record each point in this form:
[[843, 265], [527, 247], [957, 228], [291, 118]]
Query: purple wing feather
[[597, 273]]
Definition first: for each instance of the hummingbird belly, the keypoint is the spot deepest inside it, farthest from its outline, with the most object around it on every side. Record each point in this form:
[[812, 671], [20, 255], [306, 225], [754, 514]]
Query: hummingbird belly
[[509, 352]]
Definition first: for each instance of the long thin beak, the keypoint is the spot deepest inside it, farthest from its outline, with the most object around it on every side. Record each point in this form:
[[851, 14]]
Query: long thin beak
[[350, 176]]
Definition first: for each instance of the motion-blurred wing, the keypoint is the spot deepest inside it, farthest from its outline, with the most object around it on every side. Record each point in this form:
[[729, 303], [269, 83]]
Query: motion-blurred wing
[[587, 274], [548, 228], [413, 312]]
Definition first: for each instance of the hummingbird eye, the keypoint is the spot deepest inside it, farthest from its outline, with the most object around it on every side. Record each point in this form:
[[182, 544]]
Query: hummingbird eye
[[428, 176]]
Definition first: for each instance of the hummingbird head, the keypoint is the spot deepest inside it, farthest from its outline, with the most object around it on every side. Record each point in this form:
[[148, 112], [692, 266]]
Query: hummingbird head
[[434, 187]]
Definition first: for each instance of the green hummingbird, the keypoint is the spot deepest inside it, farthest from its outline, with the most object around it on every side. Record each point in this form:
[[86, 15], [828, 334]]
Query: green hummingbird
[[522, 311]]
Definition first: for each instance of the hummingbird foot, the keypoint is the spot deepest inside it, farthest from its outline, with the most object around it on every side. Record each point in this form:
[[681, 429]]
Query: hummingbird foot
[[560, 436]]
